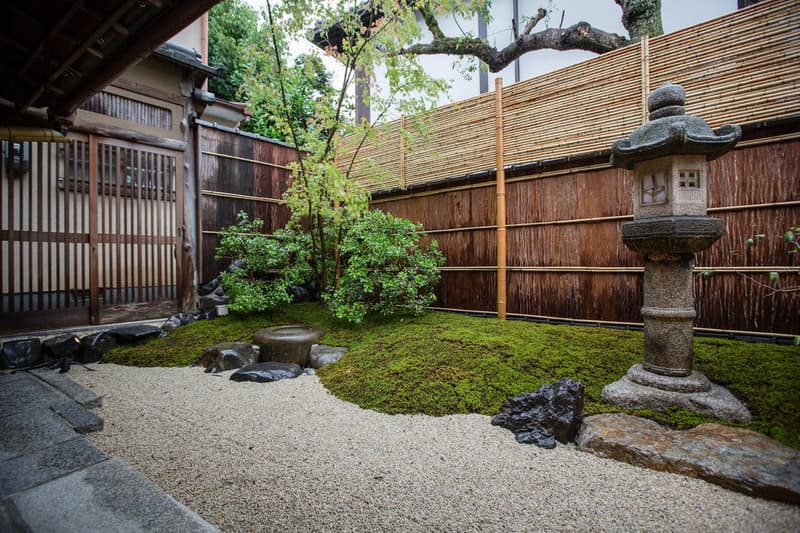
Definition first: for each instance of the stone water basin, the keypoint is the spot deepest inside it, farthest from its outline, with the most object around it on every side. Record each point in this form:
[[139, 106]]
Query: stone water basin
[[287, 344]]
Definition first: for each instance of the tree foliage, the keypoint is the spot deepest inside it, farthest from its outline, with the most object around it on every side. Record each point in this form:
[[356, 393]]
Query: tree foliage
[[233, 27]]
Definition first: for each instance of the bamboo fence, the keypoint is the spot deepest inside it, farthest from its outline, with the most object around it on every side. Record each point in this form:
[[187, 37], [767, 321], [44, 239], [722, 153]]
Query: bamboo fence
[[740, 68]]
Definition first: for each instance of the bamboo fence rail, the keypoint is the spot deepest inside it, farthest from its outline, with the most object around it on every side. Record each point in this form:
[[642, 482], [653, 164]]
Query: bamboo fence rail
[[741, 68]]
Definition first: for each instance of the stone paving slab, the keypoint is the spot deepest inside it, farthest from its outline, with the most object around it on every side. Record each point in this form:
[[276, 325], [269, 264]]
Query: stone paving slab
[[78, 417], [47, 464], [23, 391], [30, 430], [61, 382], [108, 496]]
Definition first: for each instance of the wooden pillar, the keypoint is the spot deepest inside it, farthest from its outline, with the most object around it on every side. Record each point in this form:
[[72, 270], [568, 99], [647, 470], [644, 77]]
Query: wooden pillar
[[94, 263], [501, 200]]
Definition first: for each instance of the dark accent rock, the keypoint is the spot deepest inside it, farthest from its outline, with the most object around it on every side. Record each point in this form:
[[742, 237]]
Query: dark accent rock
[[287, 344], [130, 334], [210, 302], [734, 458], [552, 413], [21, 353], [62, 346], [239, 263], [208, 288], [95, 346], [321, 355], [298, 293], [267, 372], [175, 321], [228, 355]]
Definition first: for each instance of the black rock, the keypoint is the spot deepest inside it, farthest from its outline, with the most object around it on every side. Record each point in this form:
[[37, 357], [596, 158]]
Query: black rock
[[171, 324], [61, 346], [129, 334], [298, 293], [267, 372], [21, 353], [95, 346], [240, 263], [229, 355], [553, 413], [210, 302], [208, 288]]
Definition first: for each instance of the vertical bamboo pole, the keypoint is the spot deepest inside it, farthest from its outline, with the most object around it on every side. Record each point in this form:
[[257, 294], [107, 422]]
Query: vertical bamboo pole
[[403, 178], [501, 200], [644, 47]]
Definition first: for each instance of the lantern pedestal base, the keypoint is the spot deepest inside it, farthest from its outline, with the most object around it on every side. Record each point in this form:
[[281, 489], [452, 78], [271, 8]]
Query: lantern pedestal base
[[640, 389]]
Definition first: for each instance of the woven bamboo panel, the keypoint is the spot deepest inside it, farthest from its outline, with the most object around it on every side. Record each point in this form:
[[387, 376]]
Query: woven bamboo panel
[[740, 68], [744, 67], [578, 109]]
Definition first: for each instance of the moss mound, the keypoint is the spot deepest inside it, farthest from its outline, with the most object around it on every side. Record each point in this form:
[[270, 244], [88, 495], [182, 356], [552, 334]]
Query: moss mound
[[444, 363]]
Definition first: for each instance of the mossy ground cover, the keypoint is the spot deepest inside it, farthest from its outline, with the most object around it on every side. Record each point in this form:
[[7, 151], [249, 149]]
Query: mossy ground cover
[[446, 363]]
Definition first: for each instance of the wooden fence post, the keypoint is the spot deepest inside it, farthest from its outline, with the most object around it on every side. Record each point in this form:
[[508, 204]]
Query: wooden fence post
[[403, 178], [501, 200]]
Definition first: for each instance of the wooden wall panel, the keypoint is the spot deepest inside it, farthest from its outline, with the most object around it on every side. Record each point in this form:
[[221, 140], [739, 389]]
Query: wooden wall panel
[[239, 173]]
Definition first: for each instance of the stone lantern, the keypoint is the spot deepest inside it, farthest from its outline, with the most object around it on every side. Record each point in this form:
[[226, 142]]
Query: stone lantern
[[668, 155]]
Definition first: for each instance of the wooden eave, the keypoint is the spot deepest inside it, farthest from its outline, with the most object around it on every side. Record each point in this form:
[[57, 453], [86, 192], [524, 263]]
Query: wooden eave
[[57, 53]]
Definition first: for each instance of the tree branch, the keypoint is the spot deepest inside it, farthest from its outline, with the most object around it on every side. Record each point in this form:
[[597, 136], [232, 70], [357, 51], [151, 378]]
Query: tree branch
[[580, 36], [430, 21], [542, 13]]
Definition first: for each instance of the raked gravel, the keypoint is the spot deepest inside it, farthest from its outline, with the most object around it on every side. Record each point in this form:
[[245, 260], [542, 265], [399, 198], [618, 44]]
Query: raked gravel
[[289, 456]]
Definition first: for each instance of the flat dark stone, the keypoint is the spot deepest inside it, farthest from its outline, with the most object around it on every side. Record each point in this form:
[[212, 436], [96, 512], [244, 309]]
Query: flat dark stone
[[61, 346], [21, 353], [94, 347], [128, 334], [47, 464], [267, 372]]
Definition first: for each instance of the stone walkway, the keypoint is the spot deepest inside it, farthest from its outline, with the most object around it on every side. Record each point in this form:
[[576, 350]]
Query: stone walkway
[[54, 479]]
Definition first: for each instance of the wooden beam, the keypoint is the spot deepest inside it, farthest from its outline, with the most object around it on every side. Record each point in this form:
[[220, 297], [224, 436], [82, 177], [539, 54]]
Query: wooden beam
[[81, 49], [170, 21], [50, 34]]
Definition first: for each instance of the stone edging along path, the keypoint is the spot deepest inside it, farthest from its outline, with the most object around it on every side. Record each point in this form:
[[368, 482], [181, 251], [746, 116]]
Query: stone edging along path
[[734, 458]]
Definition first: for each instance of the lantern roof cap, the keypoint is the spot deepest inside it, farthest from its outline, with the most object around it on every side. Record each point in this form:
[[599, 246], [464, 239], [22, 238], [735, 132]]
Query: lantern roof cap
[[670, 131]]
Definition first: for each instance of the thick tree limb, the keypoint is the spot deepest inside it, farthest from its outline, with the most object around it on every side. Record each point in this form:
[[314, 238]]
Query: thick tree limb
[[580, 36]]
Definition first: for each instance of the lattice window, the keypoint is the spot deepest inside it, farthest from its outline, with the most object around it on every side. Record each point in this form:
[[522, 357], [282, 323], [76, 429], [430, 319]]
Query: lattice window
[[116, 106], [689, 179]]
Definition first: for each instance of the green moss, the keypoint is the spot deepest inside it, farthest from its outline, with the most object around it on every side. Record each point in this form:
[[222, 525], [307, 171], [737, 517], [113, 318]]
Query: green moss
[[443, 363]]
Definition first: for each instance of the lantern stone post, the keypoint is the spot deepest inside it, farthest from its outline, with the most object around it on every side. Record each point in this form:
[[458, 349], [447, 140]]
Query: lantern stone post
[[668, 155]]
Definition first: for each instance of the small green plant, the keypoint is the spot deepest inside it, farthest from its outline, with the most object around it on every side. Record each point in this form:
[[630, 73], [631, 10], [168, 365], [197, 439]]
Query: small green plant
[[262, 267], [385, 269]]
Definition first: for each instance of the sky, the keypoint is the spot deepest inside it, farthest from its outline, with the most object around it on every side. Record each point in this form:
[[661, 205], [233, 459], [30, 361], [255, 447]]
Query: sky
[[602, 14]]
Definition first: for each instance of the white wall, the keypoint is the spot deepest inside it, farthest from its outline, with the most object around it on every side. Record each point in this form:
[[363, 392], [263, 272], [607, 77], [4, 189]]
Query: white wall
[[602, 14]]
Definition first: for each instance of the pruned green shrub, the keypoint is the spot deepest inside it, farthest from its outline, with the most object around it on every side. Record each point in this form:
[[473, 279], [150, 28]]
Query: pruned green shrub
[[385, 269], [262, 267]]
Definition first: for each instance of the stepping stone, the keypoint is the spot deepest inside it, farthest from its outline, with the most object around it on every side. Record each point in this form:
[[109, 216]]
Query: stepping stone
[[267, 372], [734, 458], [129, 334]]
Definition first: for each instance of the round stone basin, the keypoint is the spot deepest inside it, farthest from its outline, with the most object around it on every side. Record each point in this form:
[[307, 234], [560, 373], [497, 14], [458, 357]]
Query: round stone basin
[[287, 344], [672, 235]]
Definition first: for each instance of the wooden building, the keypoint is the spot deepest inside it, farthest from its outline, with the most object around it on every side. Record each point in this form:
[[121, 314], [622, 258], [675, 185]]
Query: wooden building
[[97, 187]]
